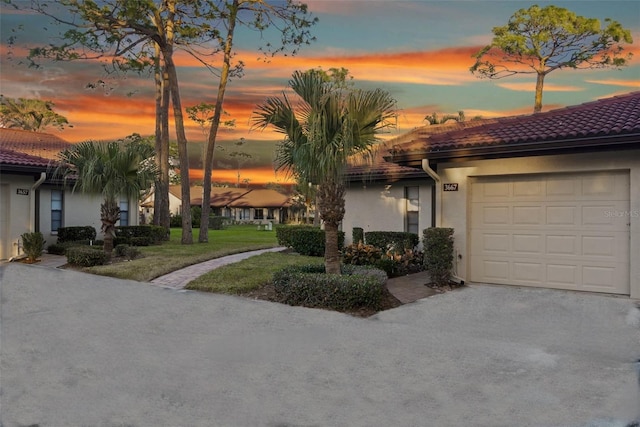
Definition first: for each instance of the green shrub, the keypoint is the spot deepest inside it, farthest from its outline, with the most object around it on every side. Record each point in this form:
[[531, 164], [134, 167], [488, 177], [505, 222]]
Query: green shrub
[[305, 240], [70, 234], [284, 233], [119, 250], [361, 254], [33, 245], [397, 241], [152, 234], [218, 222], [175, 221], [438, 254], [397, 264], [86, 256], [57, 249], [140, 241], [357, 235], [309, 287]]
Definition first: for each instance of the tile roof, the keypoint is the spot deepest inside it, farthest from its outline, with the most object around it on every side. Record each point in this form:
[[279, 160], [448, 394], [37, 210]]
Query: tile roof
[[220, 196], [603, 123], [261, 198], [382, 169], [36, 144], [11, 157]]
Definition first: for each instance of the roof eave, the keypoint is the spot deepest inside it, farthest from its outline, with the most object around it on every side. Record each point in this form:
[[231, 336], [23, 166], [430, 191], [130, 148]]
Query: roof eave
[[537, 148]]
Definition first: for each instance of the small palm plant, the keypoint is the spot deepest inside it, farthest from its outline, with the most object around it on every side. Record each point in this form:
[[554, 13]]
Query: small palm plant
[[33, 245]]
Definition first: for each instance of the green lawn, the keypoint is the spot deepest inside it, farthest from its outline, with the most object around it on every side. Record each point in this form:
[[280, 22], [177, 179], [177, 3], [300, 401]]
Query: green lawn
[[248, 274], [170, 256]]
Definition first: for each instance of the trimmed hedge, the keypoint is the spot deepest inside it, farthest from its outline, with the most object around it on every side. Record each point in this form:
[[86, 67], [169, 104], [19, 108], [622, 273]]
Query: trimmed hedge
[[218, 222], [61, 248], [357, 235], [309, 286], [144, 235], [438, 254], [86, 256], [305, 239], [72, 234], [398, 240]]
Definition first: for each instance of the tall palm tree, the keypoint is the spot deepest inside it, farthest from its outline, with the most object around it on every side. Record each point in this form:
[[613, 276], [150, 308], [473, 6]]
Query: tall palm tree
[[113, 169], [329, 123]]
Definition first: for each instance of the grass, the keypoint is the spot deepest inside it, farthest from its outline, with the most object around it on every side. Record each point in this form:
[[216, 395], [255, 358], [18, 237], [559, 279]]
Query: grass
[[172, 255], [249, 274]]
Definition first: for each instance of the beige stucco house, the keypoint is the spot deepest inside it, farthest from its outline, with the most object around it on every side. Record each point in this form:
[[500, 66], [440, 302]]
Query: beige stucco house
[[32, 199], [548, 200]]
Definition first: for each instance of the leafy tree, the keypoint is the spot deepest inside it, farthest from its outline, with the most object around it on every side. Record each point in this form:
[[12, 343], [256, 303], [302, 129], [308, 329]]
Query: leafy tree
[[541, 40], [326, 125], [122, 168], [290, 18], [29, 114]]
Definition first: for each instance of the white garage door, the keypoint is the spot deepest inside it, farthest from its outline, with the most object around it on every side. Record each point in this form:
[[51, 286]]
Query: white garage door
[[565, 231]]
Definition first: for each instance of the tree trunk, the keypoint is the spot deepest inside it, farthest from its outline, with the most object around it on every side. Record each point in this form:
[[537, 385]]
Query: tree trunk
[[330, 205], [203, 236], [161, 186], [109, 215], [537, 106], [167, 53]]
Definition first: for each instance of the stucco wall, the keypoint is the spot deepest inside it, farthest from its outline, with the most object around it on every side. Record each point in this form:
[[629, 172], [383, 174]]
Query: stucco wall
[[454, 209], [382, 207], [18, 207]]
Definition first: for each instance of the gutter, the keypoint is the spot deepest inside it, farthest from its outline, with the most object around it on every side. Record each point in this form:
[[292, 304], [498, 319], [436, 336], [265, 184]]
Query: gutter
[[438, 223]]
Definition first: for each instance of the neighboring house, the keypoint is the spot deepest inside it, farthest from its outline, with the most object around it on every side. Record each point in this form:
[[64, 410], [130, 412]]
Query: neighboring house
[[385, 196], [262, 206], [548, 200], [239, 204], [32, 199], [175, 203]]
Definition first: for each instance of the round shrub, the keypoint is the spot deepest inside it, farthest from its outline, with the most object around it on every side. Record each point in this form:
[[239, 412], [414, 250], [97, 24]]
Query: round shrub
[[86, 256]]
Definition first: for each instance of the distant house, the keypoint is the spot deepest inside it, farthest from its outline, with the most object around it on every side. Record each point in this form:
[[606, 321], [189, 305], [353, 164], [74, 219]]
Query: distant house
[[237, 204], [548, 200], [32, 199]]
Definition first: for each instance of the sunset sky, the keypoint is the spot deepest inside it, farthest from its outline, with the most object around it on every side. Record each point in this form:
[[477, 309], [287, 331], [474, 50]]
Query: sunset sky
[[419, 51]]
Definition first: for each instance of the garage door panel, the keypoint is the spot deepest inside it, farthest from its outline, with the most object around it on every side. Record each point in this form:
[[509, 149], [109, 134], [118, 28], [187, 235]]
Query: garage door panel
[[563, 231], [527, 244]]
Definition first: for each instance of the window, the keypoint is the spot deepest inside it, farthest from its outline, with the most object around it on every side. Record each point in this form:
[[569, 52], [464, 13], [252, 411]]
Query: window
[[258, 213], [124, 212], [271, 213], [56, 210], [245, 213], [412, 213]]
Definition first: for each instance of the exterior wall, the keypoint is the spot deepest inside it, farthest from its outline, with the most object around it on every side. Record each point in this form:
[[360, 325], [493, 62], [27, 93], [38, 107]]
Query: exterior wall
[[18, 210], [382, 207], [78, 209], [235, 215], [453, 210]]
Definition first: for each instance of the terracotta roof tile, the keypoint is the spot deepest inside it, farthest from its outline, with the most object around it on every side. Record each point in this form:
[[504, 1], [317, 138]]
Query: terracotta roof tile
[[600, 120], [11, 157], [36, 144]]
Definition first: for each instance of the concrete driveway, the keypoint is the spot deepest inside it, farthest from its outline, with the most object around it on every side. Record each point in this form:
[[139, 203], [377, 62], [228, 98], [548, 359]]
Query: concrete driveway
[[83, 350]]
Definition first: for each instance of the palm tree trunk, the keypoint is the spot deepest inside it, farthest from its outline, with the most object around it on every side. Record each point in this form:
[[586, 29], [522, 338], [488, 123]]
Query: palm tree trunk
[[109, 215], [330, 199]]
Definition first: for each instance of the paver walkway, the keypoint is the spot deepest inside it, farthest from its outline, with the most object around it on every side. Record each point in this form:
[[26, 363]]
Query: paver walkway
[[180, 278]]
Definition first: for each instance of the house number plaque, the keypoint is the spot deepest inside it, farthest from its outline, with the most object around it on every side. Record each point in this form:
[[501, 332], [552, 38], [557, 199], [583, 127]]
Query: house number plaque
[[451, 186], [22, 191]]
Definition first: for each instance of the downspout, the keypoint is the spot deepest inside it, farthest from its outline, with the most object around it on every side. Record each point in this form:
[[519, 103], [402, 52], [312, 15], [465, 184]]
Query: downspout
[[437, 203], [32, 201], [438, 222]]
